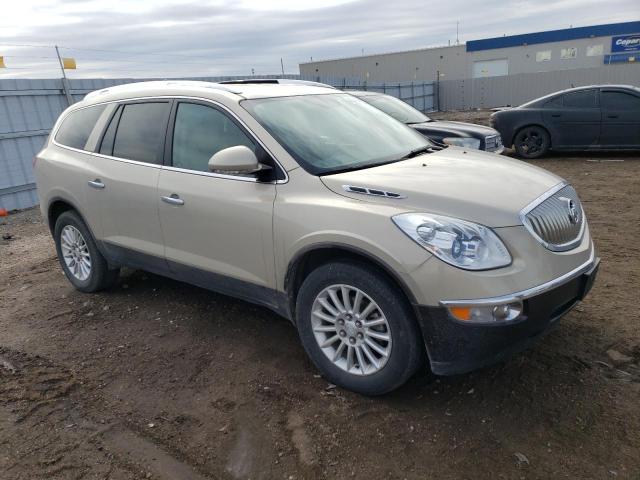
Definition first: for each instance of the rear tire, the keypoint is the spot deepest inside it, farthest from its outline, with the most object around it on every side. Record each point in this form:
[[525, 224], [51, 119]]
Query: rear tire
[[357, 328], [532, 142], [81, 261]]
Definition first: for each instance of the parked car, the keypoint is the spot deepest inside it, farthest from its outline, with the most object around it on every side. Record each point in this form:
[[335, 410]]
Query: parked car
[[383, 251], [468, 135], [599, 117]]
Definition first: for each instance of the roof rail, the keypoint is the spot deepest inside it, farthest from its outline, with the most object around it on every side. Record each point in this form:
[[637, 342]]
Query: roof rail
[[281, 81], [155, 83]]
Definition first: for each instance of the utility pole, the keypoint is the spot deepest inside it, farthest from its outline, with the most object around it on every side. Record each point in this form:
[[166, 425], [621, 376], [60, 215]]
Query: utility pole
[[65, 82], [282, 66], [457, 32]]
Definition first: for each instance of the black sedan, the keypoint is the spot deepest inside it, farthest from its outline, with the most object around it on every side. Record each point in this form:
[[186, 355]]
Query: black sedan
[[462, 134], [601, 117]]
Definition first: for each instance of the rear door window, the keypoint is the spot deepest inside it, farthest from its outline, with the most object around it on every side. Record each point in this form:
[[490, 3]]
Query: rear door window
[[581, 99], [77, 127], [141, 131], [620, 101]]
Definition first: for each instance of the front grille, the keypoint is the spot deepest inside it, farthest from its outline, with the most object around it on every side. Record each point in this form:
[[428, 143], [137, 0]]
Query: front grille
[[557, 221], [492, 143]]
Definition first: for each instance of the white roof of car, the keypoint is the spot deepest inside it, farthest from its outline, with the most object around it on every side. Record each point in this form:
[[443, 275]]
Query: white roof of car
[[206, 89]]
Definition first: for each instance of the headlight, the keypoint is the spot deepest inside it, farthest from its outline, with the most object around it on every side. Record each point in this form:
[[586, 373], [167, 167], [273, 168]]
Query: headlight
[[463, 142], [459, 243]]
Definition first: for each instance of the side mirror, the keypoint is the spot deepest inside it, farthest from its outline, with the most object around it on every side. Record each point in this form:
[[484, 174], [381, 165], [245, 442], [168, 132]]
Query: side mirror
[[235, 160]]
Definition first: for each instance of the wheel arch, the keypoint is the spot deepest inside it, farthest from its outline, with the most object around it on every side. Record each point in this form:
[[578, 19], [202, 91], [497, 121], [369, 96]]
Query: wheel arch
[[57, 206], [313, 256]]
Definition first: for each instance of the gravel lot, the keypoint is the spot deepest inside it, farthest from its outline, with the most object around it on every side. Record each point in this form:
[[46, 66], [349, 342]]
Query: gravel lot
[[158, 379]]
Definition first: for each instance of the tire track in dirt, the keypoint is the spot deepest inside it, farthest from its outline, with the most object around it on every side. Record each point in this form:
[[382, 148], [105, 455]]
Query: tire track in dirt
[[36, 394]]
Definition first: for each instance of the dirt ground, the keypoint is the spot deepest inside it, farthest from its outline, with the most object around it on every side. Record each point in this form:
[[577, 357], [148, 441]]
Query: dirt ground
[[157, 379]]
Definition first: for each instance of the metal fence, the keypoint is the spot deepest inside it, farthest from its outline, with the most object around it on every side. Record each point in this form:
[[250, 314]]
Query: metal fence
[[419, 95], [489, 92], [29, 108]]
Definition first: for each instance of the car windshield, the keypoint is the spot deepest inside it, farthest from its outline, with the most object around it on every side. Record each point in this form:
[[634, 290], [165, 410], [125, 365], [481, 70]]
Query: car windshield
[[332, 133], [396, 108]]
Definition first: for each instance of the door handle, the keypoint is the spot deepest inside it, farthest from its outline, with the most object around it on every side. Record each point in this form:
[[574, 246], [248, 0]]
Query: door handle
[[173, 199], [97, 183], [556, 115], [612, 116]]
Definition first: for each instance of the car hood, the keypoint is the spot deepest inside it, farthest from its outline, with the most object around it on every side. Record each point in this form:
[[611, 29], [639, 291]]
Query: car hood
[[455, 128], [466, 184]]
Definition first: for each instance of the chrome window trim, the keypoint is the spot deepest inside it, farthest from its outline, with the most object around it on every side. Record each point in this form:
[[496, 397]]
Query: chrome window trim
[[168, 167], [109, 157], [530, 292], [552, 247], [212, 174]]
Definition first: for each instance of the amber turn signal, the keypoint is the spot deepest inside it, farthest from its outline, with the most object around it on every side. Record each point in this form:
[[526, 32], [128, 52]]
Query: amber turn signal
[[461, 313]]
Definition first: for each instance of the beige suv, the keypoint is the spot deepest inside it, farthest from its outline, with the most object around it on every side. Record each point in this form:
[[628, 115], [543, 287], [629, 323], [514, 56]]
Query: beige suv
[[385, 251]]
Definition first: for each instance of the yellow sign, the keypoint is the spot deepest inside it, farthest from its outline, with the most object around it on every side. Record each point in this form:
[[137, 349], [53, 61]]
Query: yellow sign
[[2, 65], [69, 63]]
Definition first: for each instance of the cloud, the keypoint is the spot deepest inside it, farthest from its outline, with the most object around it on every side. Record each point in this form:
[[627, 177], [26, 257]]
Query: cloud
[[186, 38]]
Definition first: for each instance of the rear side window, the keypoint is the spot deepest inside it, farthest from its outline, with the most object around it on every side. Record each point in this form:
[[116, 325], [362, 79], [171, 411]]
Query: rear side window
[[553, 103], [77, 126], [581, 99], [620, 101], [201, 131], [141, 130], [106, 147]]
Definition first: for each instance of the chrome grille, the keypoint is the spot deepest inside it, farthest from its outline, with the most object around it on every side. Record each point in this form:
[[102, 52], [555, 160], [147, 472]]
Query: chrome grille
[[492, 142], [556, 220]]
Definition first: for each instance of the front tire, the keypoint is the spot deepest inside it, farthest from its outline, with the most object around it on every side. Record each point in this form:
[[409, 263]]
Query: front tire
[[81, 261], [532, 142], [357, 328]]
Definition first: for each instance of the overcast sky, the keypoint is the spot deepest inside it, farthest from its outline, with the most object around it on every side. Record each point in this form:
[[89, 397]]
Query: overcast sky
[[146, 38]]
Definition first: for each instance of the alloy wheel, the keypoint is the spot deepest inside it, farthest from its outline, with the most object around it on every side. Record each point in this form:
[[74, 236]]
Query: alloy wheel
[[351, 329], [532, 142], [75, 252]]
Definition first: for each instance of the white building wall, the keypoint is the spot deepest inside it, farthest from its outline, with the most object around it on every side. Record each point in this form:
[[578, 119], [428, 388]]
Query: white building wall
[[531, 58], [412, 66], [455, 63]]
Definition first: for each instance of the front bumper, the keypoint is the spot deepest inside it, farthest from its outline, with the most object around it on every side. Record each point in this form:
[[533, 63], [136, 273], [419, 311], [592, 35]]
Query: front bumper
[[456, 347], [497, 151]]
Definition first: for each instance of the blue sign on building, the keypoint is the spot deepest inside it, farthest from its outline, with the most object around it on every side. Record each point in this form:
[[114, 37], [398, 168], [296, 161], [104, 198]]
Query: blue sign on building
[[625, 43]]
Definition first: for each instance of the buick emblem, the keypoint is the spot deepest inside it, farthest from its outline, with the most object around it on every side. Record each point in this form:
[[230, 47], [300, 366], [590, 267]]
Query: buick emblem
[[572, 210]]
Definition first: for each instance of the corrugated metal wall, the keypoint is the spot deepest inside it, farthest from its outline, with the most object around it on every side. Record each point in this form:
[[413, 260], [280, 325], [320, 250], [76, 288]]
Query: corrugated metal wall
[[514, 90], [419, 95], [29, 108]]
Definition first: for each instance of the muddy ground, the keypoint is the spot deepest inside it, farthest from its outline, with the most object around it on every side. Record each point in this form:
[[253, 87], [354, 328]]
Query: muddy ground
[[157, 379]]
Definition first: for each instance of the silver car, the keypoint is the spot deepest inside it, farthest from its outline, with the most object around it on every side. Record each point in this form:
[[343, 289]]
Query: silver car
[[386, 252]]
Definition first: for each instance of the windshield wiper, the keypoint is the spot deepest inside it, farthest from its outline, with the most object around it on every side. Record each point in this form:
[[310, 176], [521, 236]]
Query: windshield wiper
[[361, 166], [418, 151]]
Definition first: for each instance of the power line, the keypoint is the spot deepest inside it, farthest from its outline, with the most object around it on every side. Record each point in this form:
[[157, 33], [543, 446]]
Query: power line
[[102, 50], [206, 63], [25, 45], [164, 54], [210, 64], [201, 58], [24, 56]]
